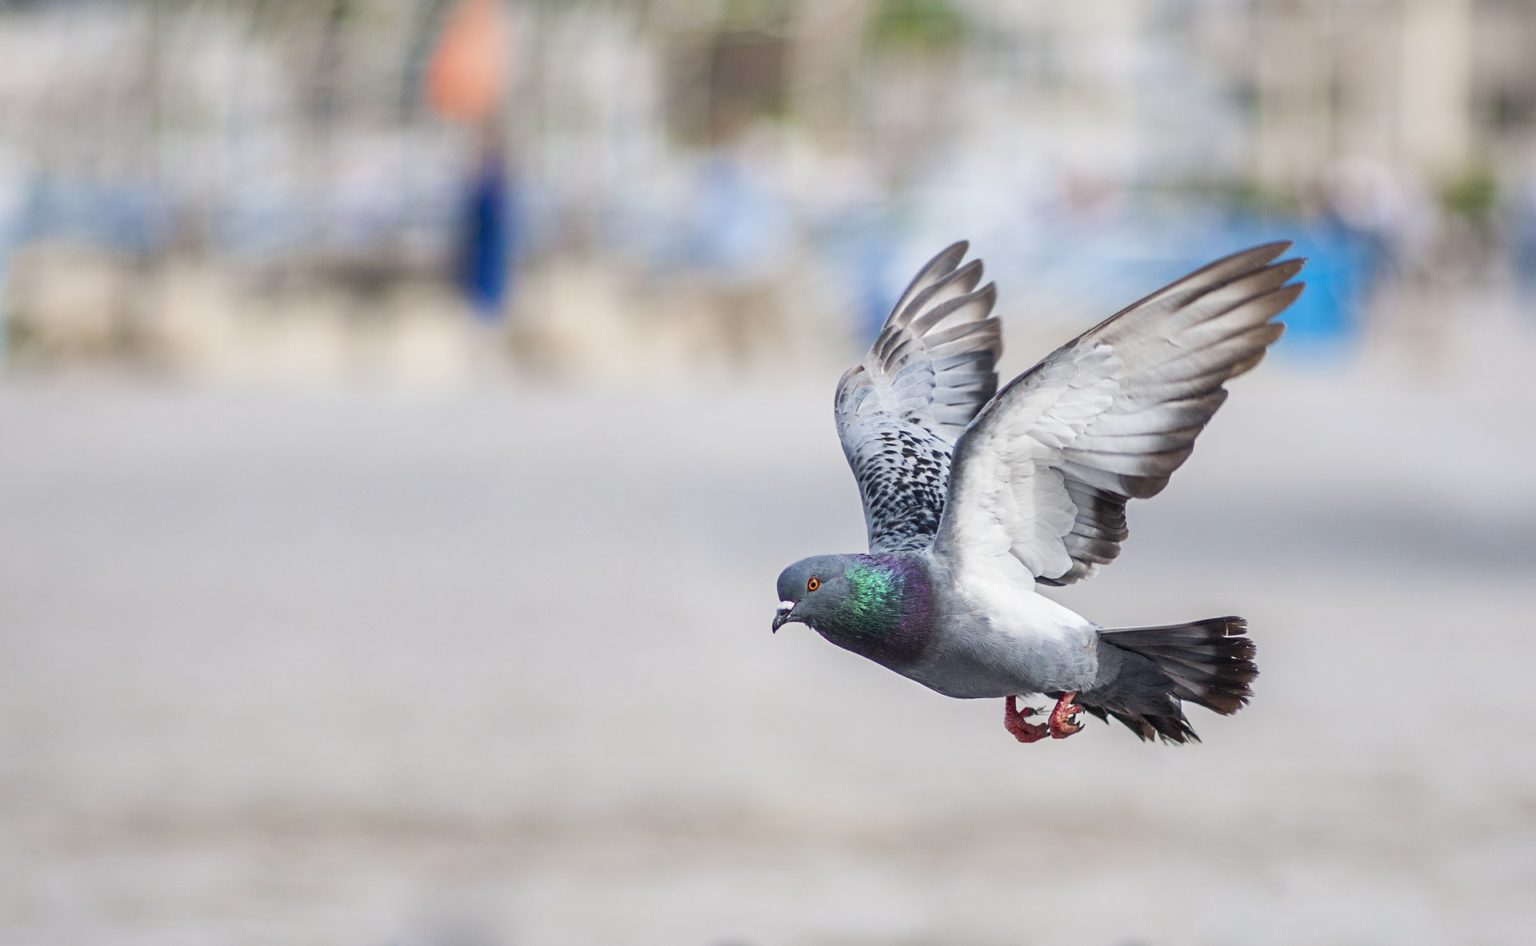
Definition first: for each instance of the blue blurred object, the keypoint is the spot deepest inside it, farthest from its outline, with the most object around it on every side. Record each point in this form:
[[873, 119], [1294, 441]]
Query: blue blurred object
[[861, 243], [489, 241], [1341, 262], [735, 225], [1338, 273], [131, 216]]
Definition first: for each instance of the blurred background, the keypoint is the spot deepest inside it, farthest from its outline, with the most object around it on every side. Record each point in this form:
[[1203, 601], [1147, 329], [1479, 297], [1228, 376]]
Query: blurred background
[[406, 407]]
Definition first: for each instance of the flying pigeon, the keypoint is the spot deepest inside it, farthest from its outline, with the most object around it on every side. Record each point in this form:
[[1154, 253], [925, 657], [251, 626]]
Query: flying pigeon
[[975, 496]]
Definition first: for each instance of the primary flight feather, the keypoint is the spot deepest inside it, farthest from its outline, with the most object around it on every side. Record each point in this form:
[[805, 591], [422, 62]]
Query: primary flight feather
[[973, 495]]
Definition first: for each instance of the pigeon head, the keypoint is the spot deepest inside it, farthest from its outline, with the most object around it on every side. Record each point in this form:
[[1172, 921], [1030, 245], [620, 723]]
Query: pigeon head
[[875, 605], [812, 590]]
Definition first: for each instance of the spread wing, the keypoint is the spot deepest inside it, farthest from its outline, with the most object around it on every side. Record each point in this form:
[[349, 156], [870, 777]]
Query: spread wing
[[930, 370], [1045, 471]]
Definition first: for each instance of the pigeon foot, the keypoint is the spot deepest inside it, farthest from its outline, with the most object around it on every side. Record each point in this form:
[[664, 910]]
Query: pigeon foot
[[1016, 722], [1061, 724]]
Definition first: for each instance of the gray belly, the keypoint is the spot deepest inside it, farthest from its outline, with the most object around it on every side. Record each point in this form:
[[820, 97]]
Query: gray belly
[[973, 668], [976, 663], [968, 682]]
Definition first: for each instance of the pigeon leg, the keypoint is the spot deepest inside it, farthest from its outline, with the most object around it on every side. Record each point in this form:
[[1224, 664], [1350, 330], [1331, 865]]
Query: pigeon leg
[[1016, 722], [1061, 723]]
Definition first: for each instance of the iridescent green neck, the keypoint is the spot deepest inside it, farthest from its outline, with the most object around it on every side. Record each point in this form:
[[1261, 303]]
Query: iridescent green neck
[[874, 594], [885, 613]]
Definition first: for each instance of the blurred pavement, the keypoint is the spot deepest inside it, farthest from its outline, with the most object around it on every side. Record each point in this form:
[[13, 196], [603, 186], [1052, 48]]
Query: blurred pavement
[[492, 666]]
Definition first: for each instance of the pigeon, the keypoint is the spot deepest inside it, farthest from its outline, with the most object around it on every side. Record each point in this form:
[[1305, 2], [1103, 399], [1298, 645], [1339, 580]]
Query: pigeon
[[975, 496]]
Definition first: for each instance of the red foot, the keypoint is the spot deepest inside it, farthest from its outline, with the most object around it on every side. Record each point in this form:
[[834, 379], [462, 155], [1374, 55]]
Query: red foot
[[1061, 724], [1016, 722]]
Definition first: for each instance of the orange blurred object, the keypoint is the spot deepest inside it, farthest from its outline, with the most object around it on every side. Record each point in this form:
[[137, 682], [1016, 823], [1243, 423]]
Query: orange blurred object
[[467, 71]]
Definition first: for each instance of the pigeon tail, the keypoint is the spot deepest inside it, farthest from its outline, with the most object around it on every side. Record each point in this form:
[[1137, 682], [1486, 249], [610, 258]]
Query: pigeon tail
[[1146, 673]]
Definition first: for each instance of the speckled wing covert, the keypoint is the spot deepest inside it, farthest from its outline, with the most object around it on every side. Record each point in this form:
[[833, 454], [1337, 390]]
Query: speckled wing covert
[[932, 367], [1045, 470]]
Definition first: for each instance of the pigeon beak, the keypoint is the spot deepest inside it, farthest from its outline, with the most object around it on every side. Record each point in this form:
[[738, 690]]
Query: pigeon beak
[[781, 617]]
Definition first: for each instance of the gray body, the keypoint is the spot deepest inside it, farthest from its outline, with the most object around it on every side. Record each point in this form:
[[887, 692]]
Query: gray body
[[975, 653]]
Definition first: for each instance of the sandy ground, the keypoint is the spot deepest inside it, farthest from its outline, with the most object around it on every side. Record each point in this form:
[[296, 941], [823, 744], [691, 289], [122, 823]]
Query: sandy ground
[[493, 667]]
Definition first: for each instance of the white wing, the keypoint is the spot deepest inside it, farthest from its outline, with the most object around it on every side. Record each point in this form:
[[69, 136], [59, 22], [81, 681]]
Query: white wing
[[1044, 471]]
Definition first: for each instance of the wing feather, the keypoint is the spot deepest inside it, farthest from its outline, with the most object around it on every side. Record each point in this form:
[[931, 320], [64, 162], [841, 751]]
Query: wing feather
[[1044, 471], [929, 371]]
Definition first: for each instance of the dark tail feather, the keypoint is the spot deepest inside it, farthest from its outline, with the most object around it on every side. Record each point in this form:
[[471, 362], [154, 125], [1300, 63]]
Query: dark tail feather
[[1207, 662]]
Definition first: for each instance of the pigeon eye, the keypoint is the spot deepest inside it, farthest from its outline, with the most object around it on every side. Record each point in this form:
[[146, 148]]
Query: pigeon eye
[[813, 584]]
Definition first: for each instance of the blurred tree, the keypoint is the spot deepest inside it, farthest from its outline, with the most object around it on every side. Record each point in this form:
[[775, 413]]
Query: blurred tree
[[916, 25], [1472, 195]]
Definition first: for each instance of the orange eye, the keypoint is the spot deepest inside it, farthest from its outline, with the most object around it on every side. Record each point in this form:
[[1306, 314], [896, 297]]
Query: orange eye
[[813, 584]]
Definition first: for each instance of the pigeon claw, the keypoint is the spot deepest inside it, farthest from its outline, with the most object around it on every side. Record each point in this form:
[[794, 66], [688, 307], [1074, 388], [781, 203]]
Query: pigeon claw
[[1061, 724], [1016, 721]]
